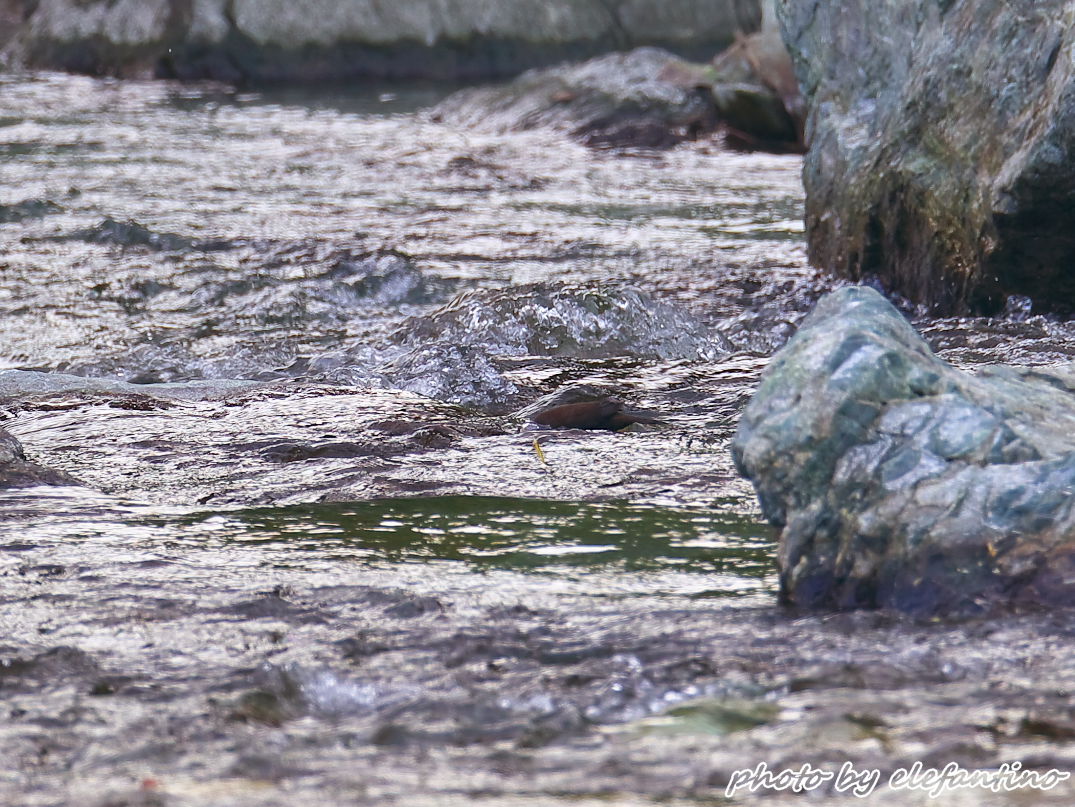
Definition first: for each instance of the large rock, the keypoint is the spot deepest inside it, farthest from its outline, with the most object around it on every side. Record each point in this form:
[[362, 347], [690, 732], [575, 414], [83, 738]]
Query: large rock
[[620, 99], [898, 481], [756, 90], [337, 39], [942, 146], [17, 472], [646, 98]]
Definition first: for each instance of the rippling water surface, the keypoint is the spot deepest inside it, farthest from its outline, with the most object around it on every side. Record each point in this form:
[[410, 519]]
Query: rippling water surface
[[204, 291], [287, 341]]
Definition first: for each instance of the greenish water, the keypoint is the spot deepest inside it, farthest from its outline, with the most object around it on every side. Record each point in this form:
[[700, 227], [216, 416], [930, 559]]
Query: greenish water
[[530, 535], [721, 550]]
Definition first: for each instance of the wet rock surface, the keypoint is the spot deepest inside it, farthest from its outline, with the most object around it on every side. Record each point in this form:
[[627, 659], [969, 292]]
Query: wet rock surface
[[899, 481], [17, 472], [619, 100], [647, 99], [607, 414], [941, 148], [266, 40]]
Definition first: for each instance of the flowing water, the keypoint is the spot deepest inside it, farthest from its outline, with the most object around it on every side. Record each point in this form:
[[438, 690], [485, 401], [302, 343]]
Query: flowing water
[[288, 341]]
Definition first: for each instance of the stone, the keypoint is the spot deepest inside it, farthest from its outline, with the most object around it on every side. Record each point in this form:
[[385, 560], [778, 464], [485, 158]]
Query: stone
[[898, 481], [605, 414], [644, 98], [17, 472], [942, 147], [756, 91]]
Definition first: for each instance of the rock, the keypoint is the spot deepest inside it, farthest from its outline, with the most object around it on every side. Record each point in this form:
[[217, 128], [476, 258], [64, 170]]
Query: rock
[[645, 98], [898, 481], [27, 209], [16, 472], [756, 91], [755, 118], [133, 234], [942, 147], [567, 319], [279, 40], [606, 414], [585, 406], [116, 37]]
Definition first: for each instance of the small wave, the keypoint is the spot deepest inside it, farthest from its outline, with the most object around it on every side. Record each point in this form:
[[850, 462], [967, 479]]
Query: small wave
[[289, 309], [378, 280], [322, 693], [573, 321], [133, 234], [464, 374], [28, 209], [456, 353], [18, 383]]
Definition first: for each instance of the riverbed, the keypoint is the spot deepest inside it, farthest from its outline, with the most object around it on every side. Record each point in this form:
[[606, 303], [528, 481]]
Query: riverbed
[[287, 340]]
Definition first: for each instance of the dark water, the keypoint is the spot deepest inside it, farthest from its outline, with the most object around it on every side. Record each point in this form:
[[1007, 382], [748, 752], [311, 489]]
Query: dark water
[[284, 340]]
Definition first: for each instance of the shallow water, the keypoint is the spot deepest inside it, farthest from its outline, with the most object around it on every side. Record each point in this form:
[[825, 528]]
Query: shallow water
[[284, 340]]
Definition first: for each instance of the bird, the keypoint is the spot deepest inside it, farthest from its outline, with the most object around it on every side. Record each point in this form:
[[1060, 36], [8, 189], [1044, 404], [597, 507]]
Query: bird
[[603, 414]]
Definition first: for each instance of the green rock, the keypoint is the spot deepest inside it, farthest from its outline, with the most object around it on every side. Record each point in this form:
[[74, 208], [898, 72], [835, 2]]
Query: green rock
[[899, 481], [645, 98], [942, 147]]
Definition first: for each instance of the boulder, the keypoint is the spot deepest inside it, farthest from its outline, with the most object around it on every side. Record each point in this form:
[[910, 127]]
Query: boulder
[[645, 98], [17, 472], [756, 91], [100, 37], [898, 481], [942, 147], [315, 40]]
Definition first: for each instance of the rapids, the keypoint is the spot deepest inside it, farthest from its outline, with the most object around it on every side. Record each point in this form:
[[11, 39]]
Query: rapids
[[287, 339]]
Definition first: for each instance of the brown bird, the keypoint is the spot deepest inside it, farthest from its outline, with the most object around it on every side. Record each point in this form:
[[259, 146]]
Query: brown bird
[[606, 413]]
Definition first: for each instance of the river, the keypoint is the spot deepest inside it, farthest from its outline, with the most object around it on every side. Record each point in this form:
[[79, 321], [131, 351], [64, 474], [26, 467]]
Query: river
[[286, 340]]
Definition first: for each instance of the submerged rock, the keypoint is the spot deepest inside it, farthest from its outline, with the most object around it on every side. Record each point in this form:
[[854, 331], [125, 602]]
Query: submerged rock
[[132, 234], [27, 209], [942, 147], [464, 374], [899, 481], [17, 472], [563, 319]]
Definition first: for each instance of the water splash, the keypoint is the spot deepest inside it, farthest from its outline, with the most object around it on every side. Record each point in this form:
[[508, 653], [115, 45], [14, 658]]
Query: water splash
[[454, 352]]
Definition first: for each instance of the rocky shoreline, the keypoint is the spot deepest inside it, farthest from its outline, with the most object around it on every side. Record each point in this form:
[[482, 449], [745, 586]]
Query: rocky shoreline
[[243, 41]]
